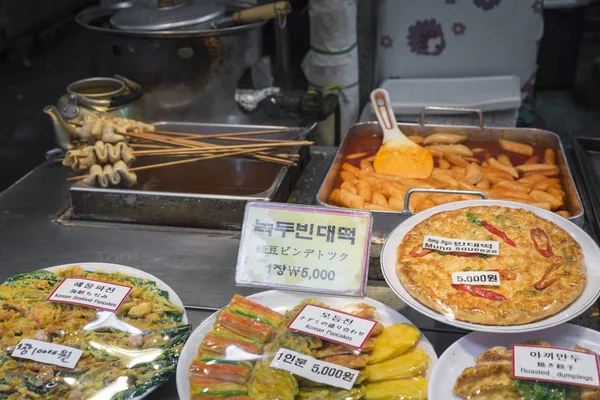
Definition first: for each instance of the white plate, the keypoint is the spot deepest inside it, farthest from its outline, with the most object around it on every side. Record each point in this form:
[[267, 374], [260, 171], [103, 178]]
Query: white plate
[[591, 254], [282, 302], [463, 352], [106, 267], [96, 266]]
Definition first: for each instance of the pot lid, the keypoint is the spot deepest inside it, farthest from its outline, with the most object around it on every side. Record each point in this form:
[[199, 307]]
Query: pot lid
[[157, 15]]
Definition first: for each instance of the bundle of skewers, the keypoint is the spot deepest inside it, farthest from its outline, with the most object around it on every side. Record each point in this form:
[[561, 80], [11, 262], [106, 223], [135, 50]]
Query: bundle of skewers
[[105, 148]]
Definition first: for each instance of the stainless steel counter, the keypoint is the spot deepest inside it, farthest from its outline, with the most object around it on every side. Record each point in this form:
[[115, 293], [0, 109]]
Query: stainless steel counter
[[198, 264]]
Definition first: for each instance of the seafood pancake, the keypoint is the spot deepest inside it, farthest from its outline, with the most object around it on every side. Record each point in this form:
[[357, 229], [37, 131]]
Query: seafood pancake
[[540, 266]]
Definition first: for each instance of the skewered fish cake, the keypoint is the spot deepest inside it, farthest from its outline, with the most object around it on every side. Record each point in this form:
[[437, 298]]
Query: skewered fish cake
[[111, 175], [100, 153], [108, 129]]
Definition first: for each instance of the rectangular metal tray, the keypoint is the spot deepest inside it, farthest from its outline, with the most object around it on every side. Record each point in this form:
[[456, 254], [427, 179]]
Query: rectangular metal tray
[[209, 194], [384, 222]]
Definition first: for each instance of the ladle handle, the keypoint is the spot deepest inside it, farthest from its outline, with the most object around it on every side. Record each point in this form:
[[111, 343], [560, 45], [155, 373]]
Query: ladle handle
[[385, 114], [261, 13]]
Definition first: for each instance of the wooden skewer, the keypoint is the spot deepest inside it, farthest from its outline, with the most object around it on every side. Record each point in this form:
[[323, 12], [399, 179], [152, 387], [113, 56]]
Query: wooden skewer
[[166, 164], [256, 140], [217, 147], [150, 146], [217, 135]]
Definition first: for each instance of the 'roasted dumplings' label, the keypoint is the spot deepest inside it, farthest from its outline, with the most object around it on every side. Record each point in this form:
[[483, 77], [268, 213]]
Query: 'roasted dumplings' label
[[552, 364], [90, 293], [47, 353], [314, 370], [333, 325], [448, 245], [484, 278]]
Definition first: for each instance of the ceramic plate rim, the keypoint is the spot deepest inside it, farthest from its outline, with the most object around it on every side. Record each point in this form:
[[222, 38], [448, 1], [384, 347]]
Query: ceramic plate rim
[[182, 367], [588, 246], [448, 354], [109, 267]]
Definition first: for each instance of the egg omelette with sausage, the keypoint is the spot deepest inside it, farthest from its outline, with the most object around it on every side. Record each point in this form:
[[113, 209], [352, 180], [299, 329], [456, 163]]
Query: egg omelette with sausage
[[540, 266]]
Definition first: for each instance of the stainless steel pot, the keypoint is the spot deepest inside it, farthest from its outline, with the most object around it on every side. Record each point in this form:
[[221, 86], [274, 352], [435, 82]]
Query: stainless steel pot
[[187, 75], [116, 96]]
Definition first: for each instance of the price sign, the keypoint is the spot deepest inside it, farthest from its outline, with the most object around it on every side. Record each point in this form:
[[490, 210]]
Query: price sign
[[90, 293], [553, 364], [487, 278], [47, 353], [315, 249], [447, 245], [333, 325], [314, 370]]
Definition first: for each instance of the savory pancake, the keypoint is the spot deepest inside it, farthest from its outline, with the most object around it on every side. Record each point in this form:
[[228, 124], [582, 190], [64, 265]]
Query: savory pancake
[[540, 266]]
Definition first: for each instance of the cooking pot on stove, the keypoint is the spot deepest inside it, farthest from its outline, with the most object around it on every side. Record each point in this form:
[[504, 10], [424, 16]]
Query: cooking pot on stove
[[188, 55]]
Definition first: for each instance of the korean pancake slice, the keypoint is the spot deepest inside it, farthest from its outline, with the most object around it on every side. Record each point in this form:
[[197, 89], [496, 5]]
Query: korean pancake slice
[[220, 341], [218, 368], [242, 306], [244, 326], [203, 388]]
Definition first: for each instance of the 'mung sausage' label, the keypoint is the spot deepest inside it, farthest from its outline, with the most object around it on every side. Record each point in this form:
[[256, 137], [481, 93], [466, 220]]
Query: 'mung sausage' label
[[448, 245]]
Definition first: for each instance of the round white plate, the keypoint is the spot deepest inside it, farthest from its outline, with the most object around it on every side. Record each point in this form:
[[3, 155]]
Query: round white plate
[[282, 302], [463, 352], [591, 254], [106, 267], [99, 266]]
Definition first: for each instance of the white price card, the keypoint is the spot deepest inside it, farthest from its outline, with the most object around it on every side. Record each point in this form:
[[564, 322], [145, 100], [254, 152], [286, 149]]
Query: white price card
[[448, 245], [47, 353], [554, 364], [333, 325], [483, 278], [314, 370], [90, 293], [305, 248]]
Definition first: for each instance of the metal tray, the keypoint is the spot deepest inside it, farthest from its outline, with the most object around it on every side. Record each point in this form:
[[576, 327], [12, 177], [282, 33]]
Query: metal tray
[[587, 153], [210, 194], [384, 221]]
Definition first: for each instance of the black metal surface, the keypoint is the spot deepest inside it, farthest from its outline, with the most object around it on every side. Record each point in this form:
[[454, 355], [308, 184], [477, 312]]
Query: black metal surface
[[198, 264], [587, 154]]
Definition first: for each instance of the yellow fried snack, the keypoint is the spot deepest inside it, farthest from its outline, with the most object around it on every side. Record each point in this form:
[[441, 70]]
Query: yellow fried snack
[[395, 340], [411, 363], [398, 389]]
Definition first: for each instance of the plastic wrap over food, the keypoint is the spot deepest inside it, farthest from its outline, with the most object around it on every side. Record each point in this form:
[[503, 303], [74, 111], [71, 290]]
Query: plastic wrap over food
[[59, 350], [495, 266], [250, 353]]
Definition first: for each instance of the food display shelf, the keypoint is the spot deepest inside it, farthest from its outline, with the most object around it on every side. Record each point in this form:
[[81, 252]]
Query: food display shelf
[[198, 264]]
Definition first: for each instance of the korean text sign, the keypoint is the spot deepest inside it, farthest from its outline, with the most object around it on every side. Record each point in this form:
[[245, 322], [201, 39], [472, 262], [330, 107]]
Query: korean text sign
[[304, 248], [554, 364], [90, 293]]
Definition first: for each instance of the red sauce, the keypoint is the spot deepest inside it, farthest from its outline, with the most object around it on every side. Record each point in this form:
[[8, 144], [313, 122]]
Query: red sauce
[[370, 145]]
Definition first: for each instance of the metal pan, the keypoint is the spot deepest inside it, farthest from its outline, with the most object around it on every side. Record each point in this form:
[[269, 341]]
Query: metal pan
[[384, 222], [211, 194]]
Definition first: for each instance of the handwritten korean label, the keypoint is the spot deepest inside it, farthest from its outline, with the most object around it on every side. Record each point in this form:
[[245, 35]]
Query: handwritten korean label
[[90, 293], [305, 248], [314, 370], [447, 245], [553, 364], [332, 325], [487, 278], [47, 353]]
